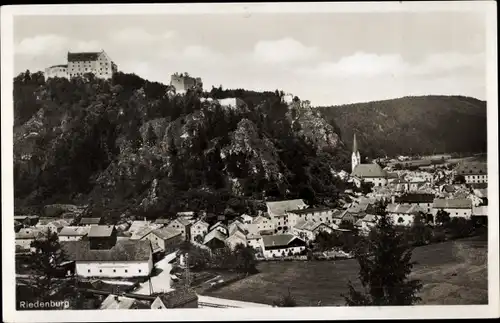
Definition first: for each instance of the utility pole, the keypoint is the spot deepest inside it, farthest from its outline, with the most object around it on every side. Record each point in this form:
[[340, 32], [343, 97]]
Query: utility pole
[[186, 263]]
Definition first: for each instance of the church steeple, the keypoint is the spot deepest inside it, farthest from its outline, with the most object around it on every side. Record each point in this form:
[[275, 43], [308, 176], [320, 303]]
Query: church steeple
[[356, 157]]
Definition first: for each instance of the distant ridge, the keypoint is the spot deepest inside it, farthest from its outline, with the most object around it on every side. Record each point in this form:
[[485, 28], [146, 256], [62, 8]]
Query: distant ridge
[[412, 125]]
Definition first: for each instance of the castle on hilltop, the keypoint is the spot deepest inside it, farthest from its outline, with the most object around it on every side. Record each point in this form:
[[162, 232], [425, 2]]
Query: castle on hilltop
[[183, 82], [78, 64]]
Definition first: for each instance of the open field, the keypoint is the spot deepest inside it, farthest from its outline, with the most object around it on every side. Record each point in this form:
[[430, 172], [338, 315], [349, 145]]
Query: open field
[[453, 272]]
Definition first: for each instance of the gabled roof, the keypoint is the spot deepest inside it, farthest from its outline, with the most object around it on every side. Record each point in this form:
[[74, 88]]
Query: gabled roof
[[311, 210], [214, 234], [259, 219], [403, 208], [83, 56], [123, 250], [178, 297], [60, 65], [481, 192], [369, 171], [116, 302], [415, 198], [90, 220], [372, 218], [218, 224], [74, 231], [201, 222], [143, 231], [278, 208], [182, 221], [136, 225], [162, 221], [278, 240], [166, 233], [237, 235], [101, 230], [452, 204], [480, 210], [29, 233], [472, 168]]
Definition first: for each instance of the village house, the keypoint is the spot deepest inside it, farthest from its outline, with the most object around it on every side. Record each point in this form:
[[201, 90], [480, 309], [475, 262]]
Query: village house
[[237, 225], [247, 219], [221, 227], [163, 222], [236, 238], [279, 212], [52, 225], [102, 255], [365, 224], [119, 302], [308, 230], [404, 214], [255, 241], [183, 225], [199, 228], [473, 172], [73, 233], [320, 214], [215, 240], [455, 207], [164, 239], [141, 232], [282, 245], [25, 237], [423, 200], [27, 220], [480, 214], [482, 193], [261, 224], [90, 221], [178, 298]]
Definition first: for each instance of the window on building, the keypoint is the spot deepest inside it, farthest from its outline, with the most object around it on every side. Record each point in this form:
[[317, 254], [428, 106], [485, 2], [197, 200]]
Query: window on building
[[140, 270], [100, 270], [114, 270], [89, 270], [126, 271]]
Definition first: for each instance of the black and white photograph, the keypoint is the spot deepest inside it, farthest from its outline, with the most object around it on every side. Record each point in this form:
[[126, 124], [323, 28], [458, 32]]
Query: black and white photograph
[[280, 160]]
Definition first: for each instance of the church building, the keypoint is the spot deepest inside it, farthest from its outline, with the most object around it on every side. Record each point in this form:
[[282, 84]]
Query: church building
[[370, 173]]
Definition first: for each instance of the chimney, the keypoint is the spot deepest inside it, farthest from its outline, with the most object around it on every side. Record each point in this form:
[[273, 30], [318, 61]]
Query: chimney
[[393, 199]]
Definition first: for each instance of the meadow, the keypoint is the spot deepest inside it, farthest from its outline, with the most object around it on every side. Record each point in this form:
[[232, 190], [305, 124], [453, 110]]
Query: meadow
[[452, 272]]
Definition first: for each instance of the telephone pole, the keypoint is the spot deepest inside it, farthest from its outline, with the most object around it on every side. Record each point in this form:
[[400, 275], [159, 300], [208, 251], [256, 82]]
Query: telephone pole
[[186, 262]]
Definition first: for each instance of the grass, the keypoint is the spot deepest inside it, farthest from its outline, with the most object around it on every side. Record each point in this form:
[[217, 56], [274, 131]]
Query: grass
[[452, 272]]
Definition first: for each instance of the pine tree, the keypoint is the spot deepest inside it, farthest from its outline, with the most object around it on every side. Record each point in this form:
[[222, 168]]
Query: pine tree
[[385, 265]]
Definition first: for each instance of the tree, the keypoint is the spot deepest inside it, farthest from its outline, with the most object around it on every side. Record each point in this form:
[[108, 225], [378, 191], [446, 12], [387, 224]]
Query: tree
[[151, 137], [366, 187], [459, 179], [385, 266], [442, 217], [286, 300], [245, 259], [45, 259], [198, 238]]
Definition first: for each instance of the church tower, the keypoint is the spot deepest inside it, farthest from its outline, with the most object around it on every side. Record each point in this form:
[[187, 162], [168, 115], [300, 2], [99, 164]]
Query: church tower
[[356, 157]]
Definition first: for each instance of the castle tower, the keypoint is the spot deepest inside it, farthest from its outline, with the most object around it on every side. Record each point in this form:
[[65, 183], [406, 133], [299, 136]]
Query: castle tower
[[356, 157]]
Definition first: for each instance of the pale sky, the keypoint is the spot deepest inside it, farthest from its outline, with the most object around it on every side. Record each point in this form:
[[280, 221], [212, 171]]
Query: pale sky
[[327, 58]]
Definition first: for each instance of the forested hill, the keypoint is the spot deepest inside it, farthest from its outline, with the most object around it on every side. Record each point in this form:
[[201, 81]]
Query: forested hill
[[413, 125], [130, 146]]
